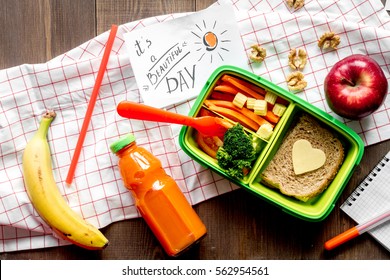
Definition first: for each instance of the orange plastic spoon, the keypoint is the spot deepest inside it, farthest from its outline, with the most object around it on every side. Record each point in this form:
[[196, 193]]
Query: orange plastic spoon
[[211, 126]]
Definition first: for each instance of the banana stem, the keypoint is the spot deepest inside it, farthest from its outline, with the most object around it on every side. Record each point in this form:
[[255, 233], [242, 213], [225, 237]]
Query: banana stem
[[47, 118]]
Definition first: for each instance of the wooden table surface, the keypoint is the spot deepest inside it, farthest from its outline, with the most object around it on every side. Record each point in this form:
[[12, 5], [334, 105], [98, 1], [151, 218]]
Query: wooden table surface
[[240, 226]]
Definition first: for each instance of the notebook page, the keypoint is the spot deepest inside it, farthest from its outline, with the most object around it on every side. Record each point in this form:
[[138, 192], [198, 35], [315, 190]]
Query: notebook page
[[370, 198]]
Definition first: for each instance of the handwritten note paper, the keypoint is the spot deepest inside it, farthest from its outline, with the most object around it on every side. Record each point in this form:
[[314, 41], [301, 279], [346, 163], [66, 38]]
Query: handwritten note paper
[[172, 60]]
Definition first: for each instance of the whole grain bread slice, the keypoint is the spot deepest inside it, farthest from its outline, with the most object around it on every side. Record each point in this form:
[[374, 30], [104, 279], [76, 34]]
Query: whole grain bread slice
[[280, 172]]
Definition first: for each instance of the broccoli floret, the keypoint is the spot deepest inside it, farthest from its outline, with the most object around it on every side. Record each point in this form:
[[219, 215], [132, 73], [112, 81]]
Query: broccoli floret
[[224, 158], [237, 143], [237, 152]]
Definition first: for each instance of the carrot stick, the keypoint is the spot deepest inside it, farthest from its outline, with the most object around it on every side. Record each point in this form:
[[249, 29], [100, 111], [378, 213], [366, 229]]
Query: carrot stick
[[256, 88], [230, 91], [204, 112], [233, 115], [221, 96], [244, 86], [248, 113], [271, 117], [206, 148], [226, 89], [282, 101]]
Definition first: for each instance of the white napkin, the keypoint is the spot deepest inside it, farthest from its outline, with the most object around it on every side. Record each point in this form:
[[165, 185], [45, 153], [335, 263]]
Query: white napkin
[[65, 83]]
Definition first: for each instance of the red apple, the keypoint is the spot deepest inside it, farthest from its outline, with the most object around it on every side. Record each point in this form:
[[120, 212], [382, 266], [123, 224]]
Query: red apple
[[355, 86]]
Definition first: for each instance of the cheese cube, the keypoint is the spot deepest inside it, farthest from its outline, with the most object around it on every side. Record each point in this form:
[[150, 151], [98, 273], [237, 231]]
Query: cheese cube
[[239, 100], [279, 109], [250, 103], [270, 97], [265, 131], [260, 107]]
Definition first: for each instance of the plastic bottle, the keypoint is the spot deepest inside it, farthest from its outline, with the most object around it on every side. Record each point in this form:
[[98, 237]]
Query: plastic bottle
[[158, 198]]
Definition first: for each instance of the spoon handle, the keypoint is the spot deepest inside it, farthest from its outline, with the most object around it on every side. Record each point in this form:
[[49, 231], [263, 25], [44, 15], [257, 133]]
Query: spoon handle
[[133, 110]]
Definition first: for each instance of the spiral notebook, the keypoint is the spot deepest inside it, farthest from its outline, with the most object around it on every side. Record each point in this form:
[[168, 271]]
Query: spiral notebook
[[370, 198]]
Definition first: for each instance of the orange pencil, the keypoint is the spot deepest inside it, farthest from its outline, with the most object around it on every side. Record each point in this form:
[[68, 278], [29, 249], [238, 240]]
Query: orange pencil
[[91, 104], [357, 230]]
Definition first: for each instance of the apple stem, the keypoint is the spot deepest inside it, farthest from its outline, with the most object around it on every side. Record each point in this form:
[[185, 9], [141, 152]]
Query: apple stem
[[348, 82]]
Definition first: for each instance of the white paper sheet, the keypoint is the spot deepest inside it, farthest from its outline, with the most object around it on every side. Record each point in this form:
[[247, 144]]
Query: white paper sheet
[[172, 60]]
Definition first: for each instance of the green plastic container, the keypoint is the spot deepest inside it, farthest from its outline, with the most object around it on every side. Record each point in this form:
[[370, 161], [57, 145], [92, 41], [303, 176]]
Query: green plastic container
[[315, 209]]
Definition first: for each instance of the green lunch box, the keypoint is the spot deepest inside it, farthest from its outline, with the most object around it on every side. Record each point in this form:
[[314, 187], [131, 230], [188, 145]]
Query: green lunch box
[[316, 209]]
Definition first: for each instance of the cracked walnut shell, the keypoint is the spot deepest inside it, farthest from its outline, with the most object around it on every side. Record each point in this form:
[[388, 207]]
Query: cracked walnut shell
[[296, 4], [296, 81], [297, 59], [329, 40], [258, 53]]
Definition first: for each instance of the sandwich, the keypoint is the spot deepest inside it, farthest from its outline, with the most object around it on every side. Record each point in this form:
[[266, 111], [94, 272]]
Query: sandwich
[[281, 171]]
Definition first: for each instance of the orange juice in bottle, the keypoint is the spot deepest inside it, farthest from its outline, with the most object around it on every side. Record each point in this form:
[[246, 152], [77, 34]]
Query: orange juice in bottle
[[157, 196]]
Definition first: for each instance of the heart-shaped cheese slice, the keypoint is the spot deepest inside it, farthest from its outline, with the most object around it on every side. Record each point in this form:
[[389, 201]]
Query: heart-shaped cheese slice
[[305, 158]]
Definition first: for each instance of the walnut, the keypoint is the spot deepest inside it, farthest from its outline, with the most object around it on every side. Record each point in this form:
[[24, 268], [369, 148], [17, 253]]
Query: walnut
[[258, 53], [296, 4], [329, 40], [296, 81], [297, 59]]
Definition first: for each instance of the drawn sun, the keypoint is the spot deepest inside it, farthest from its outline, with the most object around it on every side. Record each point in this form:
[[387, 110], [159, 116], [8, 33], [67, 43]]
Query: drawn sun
[[211, 41]]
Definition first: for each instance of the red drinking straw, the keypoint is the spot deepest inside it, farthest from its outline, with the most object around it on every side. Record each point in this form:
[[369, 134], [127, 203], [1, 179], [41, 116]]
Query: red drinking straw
[[91, 104]]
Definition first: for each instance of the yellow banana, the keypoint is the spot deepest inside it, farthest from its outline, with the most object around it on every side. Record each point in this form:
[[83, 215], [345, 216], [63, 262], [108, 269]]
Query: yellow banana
[[47, 199]]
